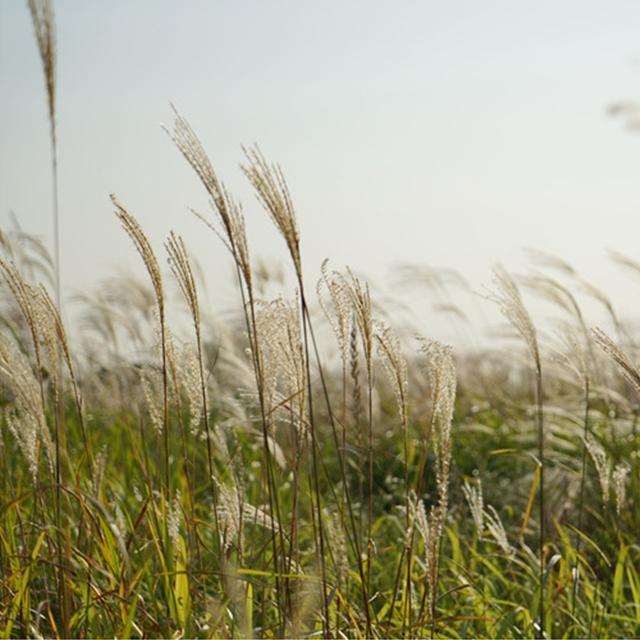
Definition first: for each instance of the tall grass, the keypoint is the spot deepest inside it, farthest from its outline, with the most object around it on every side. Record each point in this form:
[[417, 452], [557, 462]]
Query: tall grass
[[283, 476], [184, 528]]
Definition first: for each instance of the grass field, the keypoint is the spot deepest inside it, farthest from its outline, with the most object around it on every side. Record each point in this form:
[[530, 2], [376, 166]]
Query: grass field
[[307, 469]]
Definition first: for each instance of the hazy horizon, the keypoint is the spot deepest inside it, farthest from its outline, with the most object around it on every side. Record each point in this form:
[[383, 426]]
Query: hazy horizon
[[450, 134]]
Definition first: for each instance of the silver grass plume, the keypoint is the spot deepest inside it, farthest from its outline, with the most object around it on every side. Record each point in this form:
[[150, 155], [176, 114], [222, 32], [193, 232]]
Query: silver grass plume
[[621, 359], [143, 246], [574, 355], [228, 211], [620, 474], [354, 372], [601, 462], [441, 372], [181, 268], [173, 364], [29, 424], [551, 261], [273, 193], [152, 401], [50, 341], [229, 513], [430, 529], [361, 300], [337, 308], [510, 303], [283, 360], [26, 298], [28, 252], [395, 365], [189, 377], [26, 419], [475, 501], [497, 531], [191, 371], [557, 294], [233, 510], [338, 544], [174, 519], [52, 315], [45, 31]]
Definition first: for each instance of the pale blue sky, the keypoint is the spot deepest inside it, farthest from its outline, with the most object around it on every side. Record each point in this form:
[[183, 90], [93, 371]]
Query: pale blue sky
[[452, 133]]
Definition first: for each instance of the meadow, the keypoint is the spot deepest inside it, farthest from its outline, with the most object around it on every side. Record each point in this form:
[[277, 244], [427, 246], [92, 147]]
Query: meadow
[[306, 468]]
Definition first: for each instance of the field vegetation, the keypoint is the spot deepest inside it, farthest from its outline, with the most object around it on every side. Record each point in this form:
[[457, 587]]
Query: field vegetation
[[306, 468]]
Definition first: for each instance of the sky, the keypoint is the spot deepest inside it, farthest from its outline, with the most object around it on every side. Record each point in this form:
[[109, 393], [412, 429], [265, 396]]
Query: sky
[[452, 134]]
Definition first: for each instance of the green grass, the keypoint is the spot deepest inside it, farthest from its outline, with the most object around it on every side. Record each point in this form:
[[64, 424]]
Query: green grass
[[160, 477], [126, 575]]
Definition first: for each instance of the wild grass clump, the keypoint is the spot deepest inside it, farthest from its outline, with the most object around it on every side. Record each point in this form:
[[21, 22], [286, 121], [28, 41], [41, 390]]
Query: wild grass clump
[[167, 475], [238, 483]]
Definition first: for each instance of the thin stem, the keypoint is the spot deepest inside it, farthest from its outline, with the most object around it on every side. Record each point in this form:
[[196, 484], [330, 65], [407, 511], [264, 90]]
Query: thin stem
[[207, 426], [354, 541], [314, 459], [274, 503], [581, 501], [370, 476], [56, 216], [59, 410], [165, 404], [540, 421]]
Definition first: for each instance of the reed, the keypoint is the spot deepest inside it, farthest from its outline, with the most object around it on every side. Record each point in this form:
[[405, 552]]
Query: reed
[[510, 302], [289, 493]]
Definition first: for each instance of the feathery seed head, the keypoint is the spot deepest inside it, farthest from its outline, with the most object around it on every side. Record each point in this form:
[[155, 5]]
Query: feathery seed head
[[282, 356], [354, 372], [174, 520], [601, 462], [229, 212], [26, 419], [361, 300], [338, 309], [575, 355], [45, 30], [153, 403], [142, 244], [52, 315], [441, 372], [620, 474], [510, 302], [475, 500], [621, 359], [25, 296], [181, 267], [273, 193], [497, 531], [189, 378], [557, 294], [231, 513], [395, 365]]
